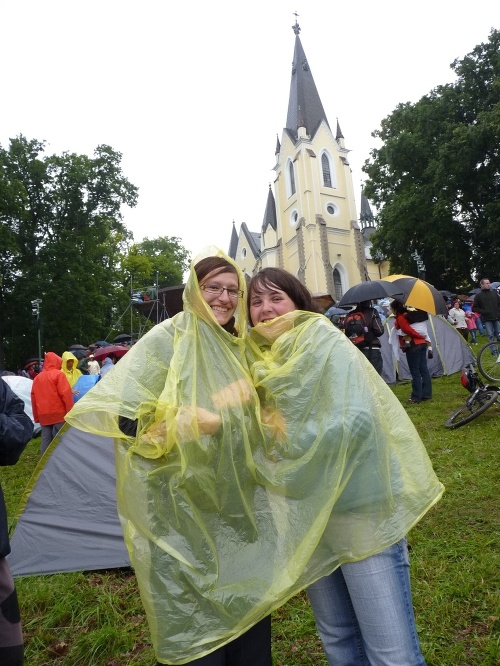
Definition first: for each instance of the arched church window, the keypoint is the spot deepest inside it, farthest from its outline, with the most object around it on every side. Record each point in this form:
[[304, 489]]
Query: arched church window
[[291, 176], [325, 165], [337, 284], [328, 174]]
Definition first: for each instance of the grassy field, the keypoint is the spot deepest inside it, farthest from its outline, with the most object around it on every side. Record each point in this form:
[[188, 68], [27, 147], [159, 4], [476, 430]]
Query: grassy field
[[96, 618]]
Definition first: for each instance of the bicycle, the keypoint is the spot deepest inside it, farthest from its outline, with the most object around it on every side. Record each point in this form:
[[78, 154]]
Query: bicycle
[[488, 361], [482, 398]]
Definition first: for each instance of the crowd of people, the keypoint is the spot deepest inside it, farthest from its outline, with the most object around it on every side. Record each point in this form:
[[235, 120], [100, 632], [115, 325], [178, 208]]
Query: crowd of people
[[259, 453]]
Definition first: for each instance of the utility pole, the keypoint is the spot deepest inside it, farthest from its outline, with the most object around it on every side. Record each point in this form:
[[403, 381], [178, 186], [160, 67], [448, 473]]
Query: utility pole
[[35, 309]]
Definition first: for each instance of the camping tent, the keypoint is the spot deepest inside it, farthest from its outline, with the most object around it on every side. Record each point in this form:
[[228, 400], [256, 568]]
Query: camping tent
[[22, 388], [69, 520], [451, 351]]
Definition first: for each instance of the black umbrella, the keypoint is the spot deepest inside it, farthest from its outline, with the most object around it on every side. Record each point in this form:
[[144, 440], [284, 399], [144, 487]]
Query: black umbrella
[[78, 353], [121, 338], [369, 291], [77, 347], [102, 343], [335, 311]]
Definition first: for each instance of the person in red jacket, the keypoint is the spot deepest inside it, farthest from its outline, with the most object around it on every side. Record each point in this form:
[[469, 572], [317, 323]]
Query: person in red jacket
[[416, 355], [51, 398]]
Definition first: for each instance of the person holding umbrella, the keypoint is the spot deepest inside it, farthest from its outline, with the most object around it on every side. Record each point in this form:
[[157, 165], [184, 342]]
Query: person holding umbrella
[[414, 344], [364, 328]]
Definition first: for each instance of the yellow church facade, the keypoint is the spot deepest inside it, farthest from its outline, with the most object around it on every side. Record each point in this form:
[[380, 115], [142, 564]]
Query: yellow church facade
[[310, 224]]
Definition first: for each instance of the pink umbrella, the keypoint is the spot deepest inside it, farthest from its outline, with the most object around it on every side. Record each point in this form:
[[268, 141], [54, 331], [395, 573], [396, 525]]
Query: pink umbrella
[[110, 350]]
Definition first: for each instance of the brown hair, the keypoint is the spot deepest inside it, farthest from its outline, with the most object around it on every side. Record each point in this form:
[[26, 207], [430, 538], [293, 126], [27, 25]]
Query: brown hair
[[209, 264], [397, 307], [270, 278]]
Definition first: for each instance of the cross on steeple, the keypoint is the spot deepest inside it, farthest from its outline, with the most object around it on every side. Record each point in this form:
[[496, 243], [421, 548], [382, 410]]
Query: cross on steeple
[[296, 27]]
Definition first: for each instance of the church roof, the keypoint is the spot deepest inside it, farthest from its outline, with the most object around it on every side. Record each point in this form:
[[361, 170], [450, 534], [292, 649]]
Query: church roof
[[270, 212], [304, 106], [253, 239]]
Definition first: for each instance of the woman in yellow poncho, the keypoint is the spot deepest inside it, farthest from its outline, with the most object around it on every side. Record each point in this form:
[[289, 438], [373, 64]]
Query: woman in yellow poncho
[[314, 385], [193, 516]]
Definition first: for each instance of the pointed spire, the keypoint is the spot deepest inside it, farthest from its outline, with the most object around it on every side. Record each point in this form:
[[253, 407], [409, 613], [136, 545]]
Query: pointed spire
[[304, 106], [270, 212], [278, 146], [366, 216], [339, 131], [233, 245]]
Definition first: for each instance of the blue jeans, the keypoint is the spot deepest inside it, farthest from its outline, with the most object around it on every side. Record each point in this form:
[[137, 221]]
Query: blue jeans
[[492, 328], [421, 385], [364, 613]]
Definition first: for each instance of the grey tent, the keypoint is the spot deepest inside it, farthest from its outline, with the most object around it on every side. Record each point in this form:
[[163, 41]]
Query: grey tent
[[69, 521], [451, 351]]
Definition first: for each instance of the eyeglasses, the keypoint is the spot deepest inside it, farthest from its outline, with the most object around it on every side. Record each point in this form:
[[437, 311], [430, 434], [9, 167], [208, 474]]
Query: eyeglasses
[[216, 290]]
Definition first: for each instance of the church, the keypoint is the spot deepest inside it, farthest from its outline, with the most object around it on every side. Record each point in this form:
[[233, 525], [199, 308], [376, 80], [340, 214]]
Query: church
[[310, 225]]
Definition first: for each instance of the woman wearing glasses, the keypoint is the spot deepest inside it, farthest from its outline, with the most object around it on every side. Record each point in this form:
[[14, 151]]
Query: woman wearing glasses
[[184, 415]]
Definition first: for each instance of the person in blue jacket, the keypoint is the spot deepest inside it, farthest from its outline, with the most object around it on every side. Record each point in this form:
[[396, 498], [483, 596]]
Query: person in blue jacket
[[16, 430]]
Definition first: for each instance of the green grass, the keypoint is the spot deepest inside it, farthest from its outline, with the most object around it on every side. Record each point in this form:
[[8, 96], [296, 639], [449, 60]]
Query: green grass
[[96, 619]]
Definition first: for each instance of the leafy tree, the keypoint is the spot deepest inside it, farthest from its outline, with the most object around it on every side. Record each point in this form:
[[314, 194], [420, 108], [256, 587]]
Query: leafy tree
[[62, 240], [436, 178], [160, 260]]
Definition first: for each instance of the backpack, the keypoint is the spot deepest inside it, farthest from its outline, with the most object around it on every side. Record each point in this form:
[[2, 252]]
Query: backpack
[[356, 328]]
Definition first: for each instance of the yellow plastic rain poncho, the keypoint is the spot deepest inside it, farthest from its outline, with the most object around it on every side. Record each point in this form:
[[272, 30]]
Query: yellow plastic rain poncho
[[73, 374], [226, 517], [338, 439]]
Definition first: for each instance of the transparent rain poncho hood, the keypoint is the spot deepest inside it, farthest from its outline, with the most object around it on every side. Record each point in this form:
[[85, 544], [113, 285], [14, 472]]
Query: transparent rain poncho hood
[[227, 510]]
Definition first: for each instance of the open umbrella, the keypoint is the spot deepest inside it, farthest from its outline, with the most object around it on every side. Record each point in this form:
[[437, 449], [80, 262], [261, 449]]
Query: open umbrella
[[368, 291], [335, 311], [101, 343], [123, 337], [419, 294], [110, 350]]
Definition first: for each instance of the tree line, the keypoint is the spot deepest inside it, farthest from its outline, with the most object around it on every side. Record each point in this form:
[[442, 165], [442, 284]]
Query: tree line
[[63, 241], [435, 180]]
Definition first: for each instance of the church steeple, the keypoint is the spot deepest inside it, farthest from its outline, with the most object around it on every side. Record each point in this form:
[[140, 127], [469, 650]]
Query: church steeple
[[270, 212], [366, 216], [233, 245], [304, 106]]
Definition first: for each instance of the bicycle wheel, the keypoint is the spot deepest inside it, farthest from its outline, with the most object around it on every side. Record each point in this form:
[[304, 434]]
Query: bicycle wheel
[[468, 412], [488, 361]]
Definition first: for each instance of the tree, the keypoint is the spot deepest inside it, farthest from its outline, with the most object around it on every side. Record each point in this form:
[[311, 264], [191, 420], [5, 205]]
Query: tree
[[62, 240], [436, 178], [160, 260]]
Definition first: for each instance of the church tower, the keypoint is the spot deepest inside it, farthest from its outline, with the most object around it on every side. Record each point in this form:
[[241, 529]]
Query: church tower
[[310, 224]]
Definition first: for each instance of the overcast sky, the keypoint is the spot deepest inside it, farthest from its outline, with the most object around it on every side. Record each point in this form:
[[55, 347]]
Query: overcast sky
[[193, 93]]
